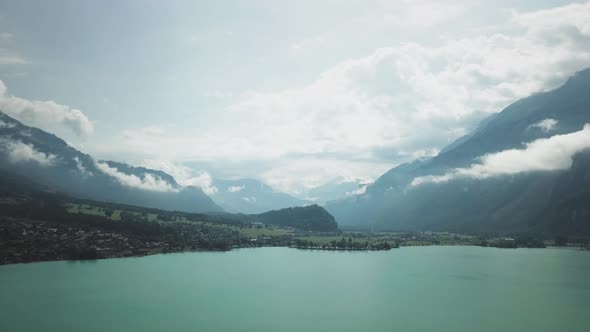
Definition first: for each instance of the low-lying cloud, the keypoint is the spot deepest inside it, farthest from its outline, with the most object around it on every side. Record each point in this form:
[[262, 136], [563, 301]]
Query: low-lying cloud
[[148, 182], [375, 111], [185, 176], [361, 190], [235, 189], [204, 181], [81, 168], [6, 125], [546, 154], [45, 114], [546, 125], [251, 200], [18, 151]]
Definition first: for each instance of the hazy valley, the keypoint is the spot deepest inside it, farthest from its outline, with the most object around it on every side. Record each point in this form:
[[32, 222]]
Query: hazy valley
[[294, 166]]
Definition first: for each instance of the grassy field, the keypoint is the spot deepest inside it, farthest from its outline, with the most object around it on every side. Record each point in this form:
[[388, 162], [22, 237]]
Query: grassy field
[[116, 216], [85, 209], [255, 231], [98, 211], [251, 232]]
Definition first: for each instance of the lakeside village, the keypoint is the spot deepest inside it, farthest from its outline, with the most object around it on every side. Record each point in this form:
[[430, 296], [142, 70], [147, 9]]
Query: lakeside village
[[24, 240]]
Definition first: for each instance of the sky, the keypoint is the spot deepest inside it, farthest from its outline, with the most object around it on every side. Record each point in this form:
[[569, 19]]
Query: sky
[[294, 93]]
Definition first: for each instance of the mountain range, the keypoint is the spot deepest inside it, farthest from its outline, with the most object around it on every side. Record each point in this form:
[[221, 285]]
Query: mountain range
[[48, 160], [524, 169]]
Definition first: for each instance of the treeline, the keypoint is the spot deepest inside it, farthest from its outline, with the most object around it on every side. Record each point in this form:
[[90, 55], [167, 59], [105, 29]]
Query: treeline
[[345, 244], [519, 242]]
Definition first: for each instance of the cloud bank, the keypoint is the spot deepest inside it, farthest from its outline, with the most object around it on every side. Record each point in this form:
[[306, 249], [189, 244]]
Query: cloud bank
[[418, 97], [204, 181], [235, 189], [546, 154], [251, 200], [81, 168], [545, 125], [45, 114], [361, 190], [373, 112], [18, 151], [185, 176], [148, 182]]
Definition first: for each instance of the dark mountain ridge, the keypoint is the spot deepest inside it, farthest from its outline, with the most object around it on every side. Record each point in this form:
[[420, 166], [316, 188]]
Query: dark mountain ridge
[[15, 187], [534, 202], [308, 218]]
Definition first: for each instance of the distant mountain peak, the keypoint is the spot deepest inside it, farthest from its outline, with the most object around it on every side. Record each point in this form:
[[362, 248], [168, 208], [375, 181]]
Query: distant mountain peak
[[251, 196]]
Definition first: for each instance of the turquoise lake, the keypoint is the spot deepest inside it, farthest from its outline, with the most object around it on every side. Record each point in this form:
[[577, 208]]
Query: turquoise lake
[[282, 289]]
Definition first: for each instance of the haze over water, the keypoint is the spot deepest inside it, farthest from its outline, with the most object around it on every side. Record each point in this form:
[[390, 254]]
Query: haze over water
[[281, 289]]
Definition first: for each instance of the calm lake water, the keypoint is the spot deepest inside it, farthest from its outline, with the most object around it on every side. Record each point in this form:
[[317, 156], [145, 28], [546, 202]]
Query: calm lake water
[[281, 289]]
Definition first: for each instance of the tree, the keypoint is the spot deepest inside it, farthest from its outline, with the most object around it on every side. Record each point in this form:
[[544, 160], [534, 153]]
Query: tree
[[561, 241]]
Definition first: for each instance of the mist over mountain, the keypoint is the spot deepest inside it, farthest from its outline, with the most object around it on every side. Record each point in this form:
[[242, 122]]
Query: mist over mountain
[[48, 160], [251, 196], [335, 189], [525, 169]]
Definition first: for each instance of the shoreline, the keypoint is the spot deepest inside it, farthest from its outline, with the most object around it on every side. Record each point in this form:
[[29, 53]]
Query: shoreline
[[574, 248]]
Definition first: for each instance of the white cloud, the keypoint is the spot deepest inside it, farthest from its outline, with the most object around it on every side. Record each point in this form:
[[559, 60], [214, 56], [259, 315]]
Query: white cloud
[[419, 154], [204, 181], [249, 199], [420, 13], [6, 36], [180, 173], [359, 180], [21, 152], [393, 104], [545, 125], [546, 154], [150, 131], [235, 189], [218, 94], [148, 182], [298, 176], [361, 190], [9, 56], [413, 97], [185, 176], [315, 41], [44, 114], [6, 59], [572, 15], [6, 125], [81, 168]]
